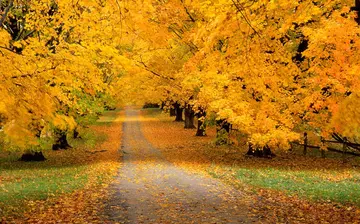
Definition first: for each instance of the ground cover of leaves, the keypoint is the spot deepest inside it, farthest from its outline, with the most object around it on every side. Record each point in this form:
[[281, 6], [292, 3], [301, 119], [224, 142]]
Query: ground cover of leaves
[[84, 202], [152, 190], [289, 188]]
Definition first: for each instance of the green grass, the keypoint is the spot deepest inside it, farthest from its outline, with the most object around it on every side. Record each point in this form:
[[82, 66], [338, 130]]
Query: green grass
[[89, 139], [22, 182], [308, 184], [62, 172], [40, 183], [327, 180]]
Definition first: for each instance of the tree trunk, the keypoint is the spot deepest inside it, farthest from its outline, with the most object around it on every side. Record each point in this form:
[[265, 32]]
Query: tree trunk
[[173, 110], [76, 133], [189, 117], [267, 152], [61, 141], [222, 132], [357, 9], [264, 152], [223, 125], [250, 151], [151, 105], [179, 112], [200, 124], [32, 156]]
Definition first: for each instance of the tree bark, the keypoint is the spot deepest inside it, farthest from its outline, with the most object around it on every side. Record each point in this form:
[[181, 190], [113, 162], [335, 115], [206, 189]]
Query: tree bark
[[223, 125], [201, 128], [179, 112], [151, 105], [357, 9], [32, 156], [222, 132], [61, 141], [265, 152], [76, 133], [189, 117], [7, 9], [173, 111]]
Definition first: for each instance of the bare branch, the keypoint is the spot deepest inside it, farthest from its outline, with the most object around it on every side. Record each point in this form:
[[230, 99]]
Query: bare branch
[[153, 72], [8, 49], [188, 13], [121, 18], [6, 12], [240, 10], [157, 74]]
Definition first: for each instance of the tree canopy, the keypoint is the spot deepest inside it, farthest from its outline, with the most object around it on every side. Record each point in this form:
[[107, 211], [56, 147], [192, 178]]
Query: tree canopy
[[271, 68]]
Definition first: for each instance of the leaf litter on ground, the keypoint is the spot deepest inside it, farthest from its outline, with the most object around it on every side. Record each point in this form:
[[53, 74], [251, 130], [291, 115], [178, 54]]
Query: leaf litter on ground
[[84, 203], [272, 199]]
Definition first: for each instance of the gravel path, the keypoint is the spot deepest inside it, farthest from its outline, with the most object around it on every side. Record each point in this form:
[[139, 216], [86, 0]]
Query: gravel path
[[151, 190]]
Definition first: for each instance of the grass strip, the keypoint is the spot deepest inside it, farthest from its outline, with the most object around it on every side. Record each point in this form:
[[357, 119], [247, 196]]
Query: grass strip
[[304, 184]]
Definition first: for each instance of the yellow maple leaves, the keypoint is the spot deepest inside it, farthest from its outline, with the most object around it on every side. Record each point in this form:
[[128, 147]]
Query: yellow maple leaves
[[268, 67], [57, 50]]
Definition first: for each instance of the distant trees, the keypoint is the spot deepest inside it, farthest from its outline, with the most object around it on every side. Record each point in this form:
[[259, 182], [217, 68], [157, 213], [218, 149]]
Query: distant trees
[[272, 69]]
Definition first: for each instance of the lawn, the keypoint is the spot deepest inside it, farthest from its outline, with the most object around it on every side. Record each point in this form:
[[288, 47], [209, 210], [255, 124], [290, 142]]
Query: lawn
[[309, 184], [91, 163], [288, 188]]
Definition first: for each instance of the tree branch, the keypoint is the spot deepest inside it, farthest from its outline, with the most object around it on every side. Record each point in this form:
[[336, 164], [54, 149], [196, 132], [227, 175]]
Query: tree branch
[[240, 10], [6, 12], [154, 73], [188, 13], [8, 49], [121, 18], [157, 74]]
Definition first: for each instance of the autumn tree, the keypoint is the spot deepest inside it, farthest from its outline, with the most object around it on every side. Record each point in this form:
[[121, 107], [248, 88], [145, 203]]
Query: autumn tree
[[50, 52], [270, 69], [258, 65]]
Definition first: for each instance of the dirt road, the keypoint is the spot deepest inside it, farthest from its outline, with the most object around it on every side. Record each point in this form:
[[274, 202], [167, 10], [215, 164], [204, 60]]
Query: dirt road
[[149, 189]]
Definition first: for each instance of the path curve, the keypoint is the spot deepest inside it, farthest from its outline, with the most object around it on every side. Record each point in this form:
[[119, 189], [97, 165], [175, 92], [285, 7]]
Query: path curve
[[149, 189]]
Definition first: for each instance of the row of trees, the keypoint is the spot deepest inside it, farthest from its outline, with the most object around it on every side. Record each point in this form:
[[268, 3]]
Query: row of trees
[[59, 61], [271, 69]]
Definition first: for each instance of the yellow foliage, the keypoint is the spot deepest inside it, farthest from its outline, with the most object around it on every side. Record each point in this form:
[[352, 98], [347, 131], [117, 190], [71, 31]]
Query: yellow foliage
[[19, 136], [64, 123], [4, 38], [271, 67], [241, 61], [59, 51]]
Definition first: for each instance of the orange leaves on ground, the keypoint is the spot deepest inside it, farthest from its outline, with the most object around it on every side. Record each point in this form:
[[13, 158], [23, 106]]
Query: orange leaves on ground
[[277, 207], [199, 155], [178, 145], [84, 205]]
